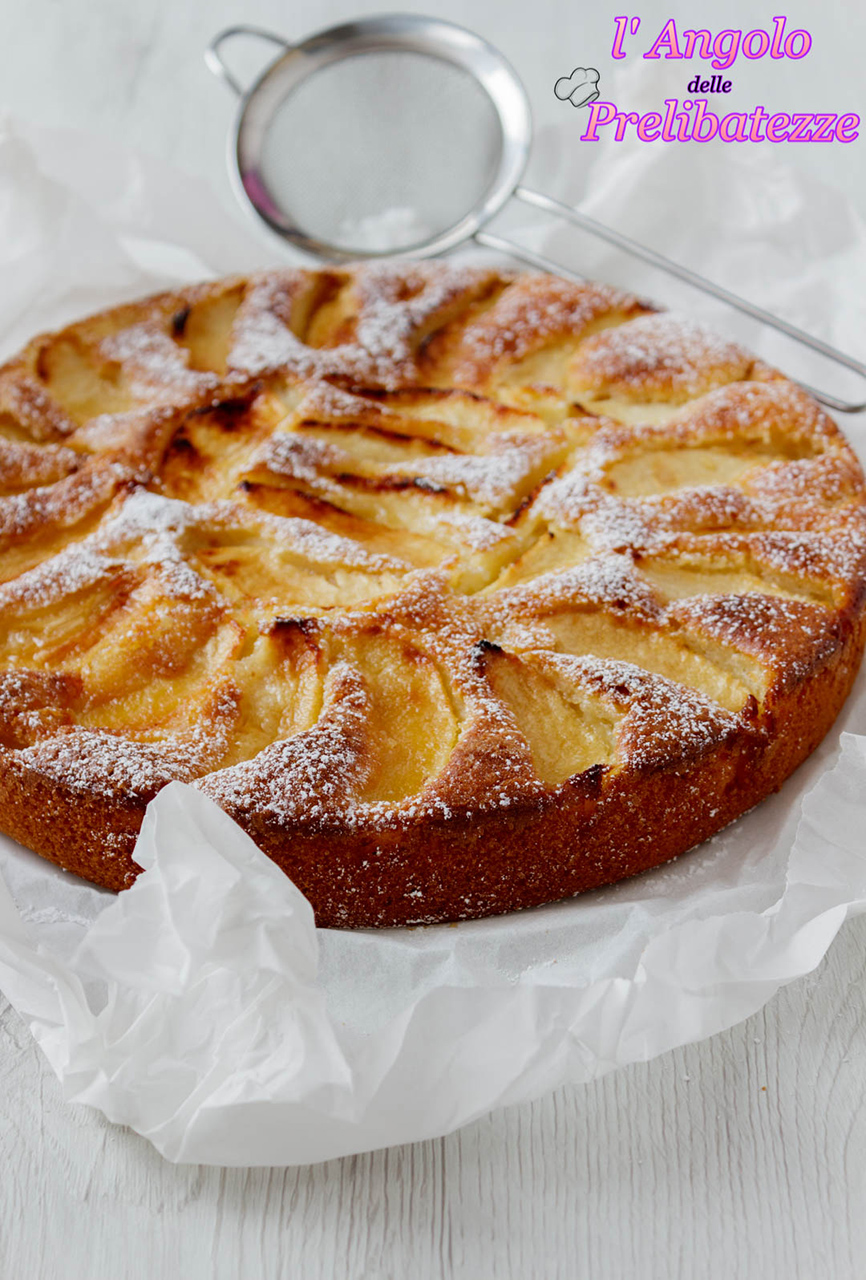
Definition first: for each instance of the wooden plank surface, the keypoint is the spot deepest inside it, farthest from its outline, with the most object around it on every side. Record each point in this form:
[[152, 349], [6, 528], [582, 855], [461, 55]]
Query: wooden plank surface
[[742, 1157]]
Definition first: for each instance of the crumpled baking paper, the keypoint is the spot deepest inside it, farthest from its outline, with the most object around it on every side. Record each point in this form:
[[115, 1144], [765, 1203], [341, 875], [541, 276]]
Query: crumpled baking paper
[[202, 1007]]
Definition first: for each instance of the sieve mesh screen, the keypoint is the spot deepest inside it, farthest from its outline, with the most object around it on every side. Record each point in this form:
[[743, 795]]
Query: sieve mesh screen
[[382, 150]]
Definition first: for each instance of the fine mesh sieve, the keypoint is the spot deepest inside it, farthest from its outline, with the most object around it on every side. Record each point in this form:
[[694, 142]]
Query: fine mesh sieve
[[404, 135], [373, 168]]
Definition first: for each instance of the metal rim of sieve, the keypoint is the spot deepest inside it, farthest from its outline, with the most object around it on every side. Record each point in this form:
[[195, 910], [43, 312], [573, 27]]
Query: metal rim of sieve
[[399, 33], [410, 33]]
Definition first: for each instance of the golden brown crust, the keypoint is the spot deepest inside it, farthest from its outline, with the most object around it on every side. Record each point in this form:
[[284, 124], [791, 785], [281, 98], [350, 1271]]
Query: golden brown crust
[[460, 591]]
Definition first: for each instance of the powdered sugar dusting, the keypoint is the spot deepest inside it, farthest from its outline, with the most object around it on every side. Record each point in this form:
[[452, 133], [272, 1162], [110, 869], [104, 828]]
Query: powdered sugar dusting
[[107, 765], [475, 531], [530, 314], [658, 353], [155, 366], [313, 776]]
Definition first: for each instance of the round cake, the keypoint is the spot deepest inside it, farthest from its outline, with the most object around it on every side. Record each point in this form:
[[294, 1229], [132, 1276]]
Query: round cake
[[460, 591]]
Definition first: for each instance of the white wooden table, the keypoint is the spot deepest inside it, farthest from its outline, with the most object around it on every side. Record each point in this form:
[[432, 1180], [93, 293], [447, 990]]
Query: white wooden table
[[743, 1157], [739, 1157]]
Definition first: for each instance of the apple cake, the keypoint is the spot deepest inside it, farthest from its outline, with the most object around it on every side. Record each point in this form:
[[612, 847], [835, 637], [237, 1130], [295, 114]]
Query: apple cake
[[460, 591]]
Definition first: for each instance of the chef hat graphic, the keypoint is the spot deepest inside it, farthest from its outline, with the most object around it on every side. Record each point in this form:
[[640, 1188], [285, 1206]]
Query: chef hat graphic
[[581, 87]]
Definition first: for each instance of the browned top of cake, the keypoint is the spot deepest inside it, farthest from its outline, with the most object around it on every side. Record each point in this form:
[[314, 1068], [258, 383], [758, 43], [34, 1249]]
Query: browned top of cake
[[375, 545]]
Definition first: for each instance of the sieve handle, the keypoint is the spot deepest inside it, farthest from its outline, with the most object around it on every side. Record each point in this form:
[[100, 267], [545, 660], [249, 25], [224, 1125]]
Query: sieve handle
[[532, 259], [540, 201], [213, 57]]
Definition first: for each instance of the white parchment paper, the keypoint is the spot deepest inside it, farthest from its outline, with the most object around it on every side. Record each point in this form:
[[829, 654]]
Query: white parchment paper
[[201, 1006]]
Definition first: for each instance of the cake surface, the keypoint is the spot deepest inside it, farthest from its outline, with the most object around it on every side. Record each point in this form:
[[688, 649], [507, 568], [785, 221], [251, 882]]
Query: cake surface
[[460, 591]]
